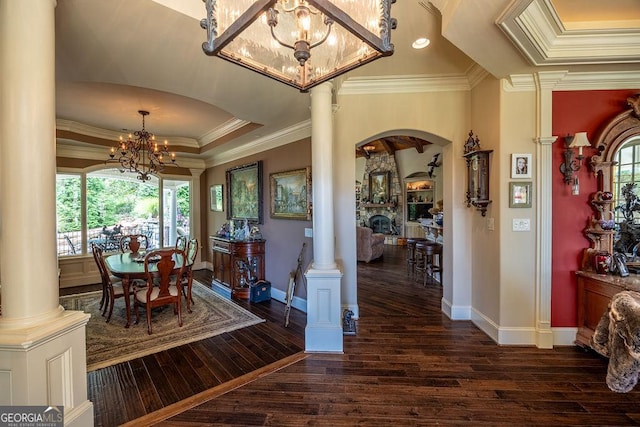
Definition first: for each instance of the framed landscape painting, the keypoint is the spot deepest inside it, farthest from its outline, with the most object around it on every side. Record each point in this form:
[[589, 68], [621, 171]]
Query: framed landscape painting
[[244, 192], [379, 183], [291, 194]]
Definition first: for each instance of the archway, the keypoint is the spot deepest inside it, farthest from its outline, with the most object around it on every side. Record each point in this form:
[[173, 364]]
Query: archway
[[408, 153]]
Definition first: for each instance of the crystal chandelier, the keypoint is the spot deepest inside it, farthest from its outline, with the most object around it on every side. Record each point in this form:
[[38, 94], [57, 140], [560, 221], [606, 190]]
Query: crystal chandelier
[[140, 153], [328, 37]]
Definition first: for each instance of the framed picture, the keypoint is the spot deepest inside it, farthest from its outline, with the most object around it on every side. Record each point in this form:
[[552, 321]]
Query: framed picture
[[215, 192], [244, 192], [291, 194], [521, 165], [520, 194], [379, 187]]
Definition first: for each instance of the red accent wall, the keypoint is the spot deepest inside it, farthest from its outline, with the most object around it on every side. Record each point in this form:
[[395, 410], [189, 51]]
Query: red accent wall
[[575, 111]]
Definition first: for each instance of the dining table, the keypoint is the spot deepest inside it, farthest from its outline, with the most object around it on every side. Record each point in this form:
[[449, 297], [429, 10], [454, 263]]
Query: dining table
[[129, 266]]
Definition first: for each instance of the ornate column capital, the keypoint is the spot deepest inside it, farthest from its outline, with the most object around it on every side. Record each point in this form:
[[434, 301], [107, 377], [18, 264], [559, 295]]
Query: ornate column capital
[[545, 140]]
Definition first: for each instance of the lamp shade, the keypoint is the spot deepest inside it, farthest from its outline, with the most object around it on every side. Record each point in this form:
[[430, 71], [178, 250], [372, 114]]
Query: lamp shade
[[580, 140], [300, 43]]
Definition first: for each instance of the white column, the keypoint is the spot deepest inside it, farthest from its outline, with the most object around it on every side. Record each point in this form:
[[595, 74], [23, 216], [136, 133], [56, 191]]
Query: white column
[[323, 332], [42, 347], [322, 176], [194, 226], [173, 214], [28, 161], [545, 82]]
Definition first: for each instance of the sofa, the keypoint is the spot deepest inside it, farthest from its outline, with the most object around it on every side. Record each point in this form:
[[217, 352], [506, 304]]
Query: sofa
[[369, 245]]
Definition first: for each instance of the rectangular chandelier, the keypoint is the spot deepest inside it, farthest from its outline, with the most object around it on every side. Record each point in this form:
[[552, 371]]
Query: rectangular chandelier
[[300, 43]]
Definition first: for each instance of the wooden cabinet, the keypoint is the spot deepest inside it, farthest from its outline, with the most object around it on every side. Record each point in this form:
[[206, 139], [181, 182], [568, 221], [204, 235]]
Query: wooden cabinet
[[419, 195], [221, 262], [594, 294], [236, 263]]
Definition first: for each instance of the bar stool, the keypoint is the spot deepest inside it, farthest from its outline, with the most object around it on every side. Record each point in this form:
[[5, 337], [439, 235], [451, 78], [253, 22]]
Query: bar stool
[[428, 260], [411, 248]]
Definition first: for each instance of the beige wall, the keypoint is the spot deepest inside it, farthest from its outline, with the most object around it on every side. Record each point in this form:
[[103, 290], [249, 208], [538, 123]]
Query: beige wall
[[283, 237], [485, 263], [440, 117], [489, 274], [517, 275]]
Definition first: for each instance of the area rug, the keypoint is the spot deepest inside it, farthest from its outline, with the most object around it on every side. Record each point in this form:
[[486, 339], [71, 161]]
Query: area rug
[[111, 343]]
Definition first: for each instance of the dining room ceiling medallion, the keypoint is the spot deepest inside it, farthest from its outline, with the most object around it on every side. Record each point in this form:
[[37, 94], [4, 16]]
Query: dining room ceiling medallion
[[328, 37], [141, 154]]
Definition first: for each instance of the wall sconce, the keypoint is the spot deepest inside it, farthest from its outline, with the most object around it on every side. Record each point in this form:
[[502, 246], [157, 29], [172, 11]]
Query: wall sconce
[[572, 165]]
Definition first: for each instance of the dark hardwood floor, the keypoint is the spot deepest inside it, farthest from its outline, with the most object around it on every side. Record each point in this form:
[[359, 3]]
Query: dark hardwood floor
[[408, 364]]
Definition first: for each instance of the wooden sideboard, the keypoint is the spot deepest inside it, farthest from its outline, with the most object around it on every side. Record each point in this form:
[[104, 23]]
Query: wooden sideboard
[[230, 260], [594, 293]]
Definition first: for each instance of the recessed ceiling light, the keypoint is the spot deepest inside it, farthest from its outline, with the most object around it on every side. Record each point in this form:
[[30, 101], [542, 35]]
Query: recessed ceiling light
[[420, 43]]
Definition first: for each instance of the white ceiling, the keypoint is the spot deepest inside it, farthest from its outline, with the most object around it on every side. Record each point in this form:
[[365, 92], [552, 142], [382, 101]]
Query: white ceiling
[[116, 57]]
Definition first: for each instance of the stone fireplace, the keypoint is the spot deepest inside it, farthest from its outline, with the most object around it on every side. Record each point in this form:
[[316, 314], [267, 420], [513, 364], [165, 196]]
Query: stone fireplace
[[385, 217], [380, 224]]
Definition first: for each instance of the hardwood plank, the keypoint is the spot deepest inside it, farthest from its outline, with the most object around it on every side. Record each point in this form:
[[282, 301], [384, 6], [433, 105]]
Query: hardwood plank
[[408, 364]]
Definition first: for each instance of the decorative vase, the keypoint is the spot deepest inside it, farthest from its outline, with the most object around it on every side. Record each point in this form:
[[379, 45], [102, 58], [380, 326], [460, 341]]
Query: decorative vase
[[602, 262], [606, 195], [607, 224], [438, 218]]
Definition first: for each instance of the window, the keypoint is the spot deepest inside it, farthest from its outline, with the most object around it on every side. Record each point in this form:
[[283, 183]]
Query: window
[[118, 204], [627, 170], [176, 202], [69, 214]]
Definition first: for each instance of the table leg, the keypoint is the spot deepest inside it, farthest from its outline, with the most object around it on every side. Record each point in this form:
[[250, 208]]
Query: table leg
[[127, 305]]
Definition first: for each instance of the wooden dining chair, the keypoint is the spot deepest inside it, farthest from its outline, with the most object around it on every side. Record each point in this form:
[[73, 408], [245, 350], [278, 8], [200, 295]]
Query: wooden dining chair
[[163, 286], [187, 280], [133, 243], [181, 243], [97, 251], [111, 285]]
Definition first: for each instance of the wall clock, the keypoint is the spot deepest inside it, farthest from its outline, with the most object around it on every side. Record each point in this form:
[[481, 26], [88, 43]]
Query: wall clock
[[478, 179]]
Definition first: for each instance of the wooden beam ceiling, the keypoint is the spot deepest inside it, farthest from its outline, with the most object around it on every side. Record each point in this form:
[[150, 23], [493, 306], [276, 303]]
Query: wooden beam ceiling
[[390, 145]]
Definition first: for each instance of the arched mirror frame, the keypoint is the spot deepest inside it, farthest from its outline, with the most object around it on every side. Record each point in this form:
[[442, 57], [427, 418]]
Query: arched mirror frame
[[609, 140]]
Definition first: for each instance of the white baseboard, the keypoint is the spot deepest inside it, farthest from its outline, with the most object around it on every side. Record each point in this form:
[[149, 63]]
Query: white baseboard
[[564, 336], [455, 312], [297, 302]]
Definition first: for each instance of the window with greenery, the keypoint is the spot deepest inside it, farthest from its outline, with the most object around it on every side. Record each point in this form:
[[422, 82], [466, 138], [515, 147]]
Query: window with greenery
[[626, 177], [625, 172], [69, 213], [116, 205]]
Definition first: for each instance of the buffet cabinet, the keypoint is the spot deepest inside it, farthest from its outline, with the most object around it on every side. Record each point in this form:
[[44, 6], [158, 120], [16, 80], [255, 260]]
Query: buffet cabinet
[[237, 264], [594, 294]]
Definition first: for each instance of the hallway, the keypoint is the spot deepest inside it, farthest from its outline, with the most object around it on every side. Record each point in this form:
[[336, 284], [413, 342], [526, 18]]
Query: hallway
[[408, 365]]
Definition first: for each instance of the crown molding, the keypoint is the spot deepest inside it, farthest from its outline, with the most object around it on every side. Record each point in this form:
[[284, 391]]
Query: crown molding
[[404, 84], [94, 132], [226, 128], [75, 151], [476, 74], [565, 80], [539, 34], [282, 137]]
